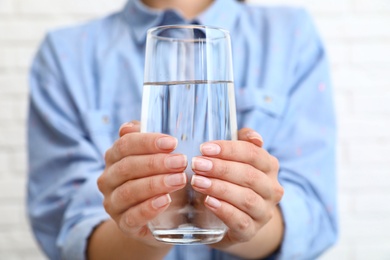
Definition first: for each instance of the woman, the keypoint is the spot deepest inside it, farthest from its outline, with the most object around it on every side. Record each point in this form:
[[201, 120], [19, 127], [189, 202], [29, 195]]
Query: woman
[[86, 82]]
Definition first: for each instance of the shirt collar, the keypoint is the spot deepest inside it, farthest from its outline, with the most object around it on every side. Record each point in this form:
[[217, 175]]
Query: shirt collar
[[221, 13]]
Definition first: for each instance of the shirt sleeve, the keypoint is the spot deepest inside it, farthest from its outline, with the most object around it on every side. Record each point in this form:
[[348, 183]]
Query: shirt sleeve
[[304, 143], [64, 204]]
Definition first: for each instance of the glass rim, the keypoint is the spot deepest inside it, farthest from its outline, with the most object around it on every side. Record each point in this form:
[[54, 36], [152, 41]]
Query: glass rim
[[152, 32]]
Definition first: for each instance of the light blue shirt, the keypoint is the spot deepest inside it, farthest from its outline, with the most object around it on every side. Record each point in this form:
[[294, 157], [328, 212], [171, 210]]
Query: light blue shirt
[[87, 80]]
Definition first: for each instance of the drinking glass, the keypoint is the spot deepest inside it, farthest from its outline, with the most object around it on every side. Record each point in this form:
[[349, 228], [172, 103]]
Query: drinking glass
[[188, 93]]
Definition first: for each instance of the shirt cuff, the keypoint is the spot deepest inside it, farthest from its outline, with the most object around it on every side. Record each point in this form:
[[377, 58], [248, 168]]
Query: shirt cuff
[[296, 222], [75, 245]]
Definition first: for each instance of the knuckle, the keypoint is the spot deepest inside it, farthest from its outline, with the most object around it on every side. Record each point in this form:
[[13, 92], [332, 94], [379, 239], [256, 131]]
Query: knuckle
[[221, 190], [223, 170], [144, 142], [122, 194], [121, 169], [229, 149], [152, 185], [107, 155], [274, 163], [101, 182], [253, 153], [151, 162], [279, 192], [271, 214], [122, 146], [146, 212], [268, 215], [251, 200], [243, 225], [107, 205], [129, 221], [251, 177]]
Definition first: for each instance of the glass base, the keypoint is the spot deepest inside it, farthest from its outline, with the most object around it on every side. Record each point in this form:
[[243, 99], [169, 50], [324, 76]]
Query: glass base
[[189, 236]]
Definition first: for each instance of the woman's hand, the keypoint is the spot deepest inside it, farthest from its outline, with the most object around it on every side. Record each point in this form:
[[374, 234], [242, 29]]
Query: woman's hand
[[240, 181], [139, 175]]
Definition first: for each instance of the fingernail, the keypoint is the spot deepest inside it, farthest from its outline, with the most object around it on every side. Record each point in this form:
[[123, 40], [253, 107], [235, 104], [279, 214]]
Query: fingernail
[[167, 142], [255, 137], [201, 164], [127, 124], [210, 149], [200, 182], [175, 179], [175, 161], [161, 201], [212, 202]]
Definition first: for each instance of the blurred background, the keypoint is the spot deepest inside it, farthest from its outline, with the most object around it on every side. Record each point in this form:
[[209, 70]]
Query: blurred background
[[357, 36]]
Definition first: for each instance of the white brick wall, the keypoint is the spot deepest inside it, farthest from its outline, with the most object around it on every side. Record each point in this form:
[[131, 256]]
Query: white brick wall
[[357, 34]]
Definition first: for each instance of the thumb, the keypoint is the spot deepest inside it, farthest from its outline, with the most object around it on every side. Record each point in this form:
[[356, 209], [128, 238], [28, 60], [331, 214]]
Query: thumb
[[247, 134], [129, 127]]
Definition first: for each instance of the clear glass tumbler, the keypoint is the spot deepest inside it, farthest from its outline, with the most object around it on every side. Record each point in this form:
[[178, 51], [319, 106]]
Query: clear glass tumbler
[[188, 93]]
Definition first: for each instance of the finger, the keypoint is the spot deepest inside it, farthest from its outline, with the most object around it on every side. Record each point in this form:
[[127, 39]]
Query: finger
[[140, 143], [134, 192], [244, 199], [247, 134], [129, 127], [135, 167], [238, 173], [241, 226], [135, 218], [239, 151]]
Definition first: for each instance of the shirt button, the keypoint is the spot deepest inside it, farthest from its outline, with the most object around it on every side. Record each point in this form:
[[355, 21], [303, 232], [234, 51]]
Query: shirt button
[[268, 99], [105, 120]]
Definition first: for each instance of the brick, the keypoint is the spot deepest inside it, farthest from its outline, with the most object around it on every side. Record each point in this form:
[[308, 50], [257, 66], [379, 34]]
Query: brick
[[364, 6], [374, 104], [355, 228], [343, 100], [361, 76], [342, 151], [27, 31], [8, 58], [368, 26], [326, 24], [74, 7], [316, 7], [338, 52], [25, 57], [371, 52], [354, 26], [17, 30], [369, 152], [16, 58], [19, 162], [4, 163], [13, 137], [7, 7], [377, 249], [340, 251], [22, 255], [331, 6], [13, 110], [345, 201], [13, 85], [362, 178], [355, 127], [12, 189], [17, 241], [11, 214], [370, 203]]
